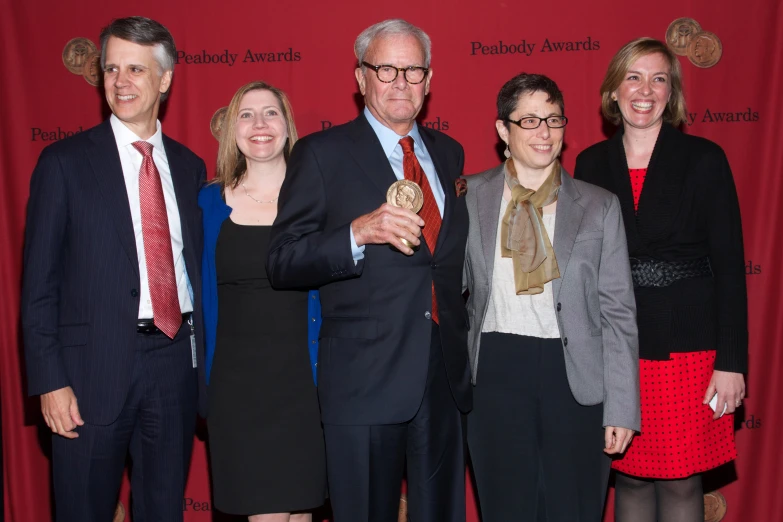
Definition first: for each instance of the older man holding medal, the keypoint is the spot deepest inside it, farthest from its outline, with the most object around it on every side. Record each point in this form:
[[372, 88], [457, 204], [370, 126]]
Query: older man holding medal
[[369, 213]]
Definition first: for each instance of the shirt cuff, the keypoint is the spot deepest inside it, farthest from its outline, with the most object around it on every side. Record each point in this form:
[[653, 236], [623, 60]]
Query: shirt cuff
[[356, 250]]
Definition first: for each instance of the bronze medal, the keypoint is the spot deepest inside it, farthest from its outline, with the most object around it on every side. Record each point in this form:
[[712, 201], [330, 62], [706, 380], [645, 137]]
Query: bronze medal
[[91, 69], [714, 506], [217, 121], [704, 49], [405, 194], [680, 33], [75, 54]]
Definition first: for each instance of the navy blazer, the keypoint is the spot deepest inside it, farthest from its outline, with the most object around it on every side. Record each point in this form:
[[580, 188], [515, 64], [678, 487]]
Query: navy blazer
[[80, 287], [688, 210], [215, 212], [377, 331]]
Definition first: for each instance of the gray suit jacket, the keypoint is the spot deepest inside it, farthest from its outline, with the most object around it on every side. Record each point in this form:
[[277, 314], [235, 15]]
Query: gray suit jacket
[[593, 297]]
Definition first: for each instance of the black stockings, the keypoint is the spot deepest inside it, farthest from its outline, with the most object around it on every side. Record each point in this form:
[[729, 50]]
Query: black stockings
[[645, 500]]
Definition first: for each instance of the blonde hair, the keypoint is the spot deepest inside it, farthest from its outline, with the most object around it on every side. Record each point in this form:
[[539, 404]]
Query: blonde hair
[[674, 112], [231, 163]]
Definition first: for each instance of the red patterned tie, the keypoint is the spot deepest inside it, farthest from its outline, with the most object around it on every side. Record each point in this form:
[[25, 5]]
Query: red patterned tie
[[429, 210], [157, 245]]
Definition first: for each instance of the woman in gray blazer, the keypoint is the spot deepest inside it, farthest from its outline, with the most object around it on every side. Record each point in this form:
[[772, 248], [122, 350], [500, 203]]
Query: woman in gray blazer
[[553, 319]]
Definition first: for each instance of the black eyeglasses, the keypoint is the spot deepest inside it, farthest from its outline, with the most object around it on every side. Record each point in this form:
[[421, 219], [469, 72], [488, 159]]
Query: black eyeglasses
[[534, 122], [388, 73]]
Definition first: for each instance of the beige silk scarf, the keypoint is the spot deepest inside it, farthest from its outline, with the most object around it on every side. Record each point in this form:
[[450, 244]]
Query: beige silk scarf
[[523, 237]]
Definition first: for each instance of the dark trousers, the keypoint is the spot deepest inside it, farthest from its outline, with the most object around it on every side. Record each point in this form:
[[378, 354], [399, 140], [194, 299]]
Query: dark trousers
[[156, 425], [537, 454], [365, 464]]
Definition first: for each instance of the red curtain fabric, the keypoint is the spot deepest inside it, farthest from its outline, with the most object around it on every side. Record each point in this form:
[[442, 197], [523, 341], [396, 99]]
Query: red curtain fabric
[[305, 48]]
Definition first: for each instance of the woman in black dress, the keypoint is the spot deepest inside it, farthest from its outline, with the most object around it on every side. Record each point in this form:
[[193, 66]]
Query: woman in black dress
[[266, 444]]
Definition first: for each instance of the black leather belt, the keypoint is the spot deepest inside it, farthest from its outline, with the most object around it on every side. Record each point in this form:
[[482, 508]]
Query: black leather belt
[[658, 273], [147, 326]]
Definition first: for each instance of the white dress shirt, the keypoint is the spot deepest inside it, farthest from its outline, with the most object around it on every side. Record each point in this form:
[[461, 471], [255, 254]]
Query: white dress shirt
[[131, 160]]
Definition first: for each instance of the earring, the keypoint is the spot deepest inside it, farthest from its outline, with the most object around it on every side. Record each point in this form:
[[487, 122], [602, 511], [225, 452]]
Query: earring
[[614, 98], [507, 152]]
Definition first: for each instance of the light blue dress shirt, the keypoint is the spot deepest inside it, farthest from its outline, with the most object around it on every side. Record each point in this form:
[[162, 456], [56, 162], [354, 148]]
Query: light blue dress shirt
[[390, 141]]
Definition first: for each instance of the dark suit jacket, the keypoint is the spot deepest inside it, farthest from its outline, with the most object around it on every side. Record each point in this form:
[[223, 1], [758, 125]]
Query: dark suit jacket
[[688, 209], [375, 338], [80, 289]]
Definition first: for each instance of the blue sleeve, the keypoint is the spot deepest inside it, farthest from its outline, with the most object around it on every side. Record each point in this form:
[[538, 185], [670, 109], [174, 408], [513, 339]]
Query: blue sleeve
[[313, 328]]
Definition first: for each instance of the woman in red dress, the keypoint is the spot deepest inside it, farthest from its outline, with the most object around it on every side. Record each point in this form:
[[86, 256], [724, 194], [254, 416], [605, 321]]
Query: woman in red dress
[[682, 223]]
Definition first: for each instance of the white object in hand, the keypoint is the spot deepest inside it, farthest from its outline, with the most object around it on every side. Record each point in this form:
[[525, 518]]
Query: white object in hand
[[714, 404]]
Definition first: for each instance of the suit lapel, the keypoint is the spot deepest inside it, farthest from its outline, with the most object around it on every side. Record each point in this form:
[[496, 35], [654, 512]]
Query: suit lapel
[[105, 161], [446, 183], [568, 218], [181, 179], [621, 181], [368, 153], [489, 196]]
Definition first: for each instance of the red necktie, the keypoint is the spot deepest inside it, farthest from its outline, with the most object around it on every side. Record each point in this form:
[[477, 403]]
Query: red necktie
[[429, 209], [157, 245]]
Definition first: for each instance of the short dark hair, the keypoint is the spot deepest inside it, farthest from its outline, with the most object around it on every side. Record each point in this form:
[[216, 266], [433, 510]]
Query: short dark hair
[[524, 83], [143, 31]]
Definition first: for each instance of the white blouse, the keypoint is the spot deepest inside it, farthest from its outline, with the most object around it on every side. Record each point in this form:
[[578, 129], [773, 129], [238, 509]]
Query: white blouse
[[531, 315]]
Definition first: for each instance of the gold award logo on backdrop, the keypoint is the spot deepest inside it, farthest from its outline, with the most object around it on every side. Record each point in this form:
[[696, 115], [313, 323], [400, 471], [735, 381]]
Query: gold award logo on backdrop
[[91, 70], [714, 507], [704, 49], [76, 52], [217, 121], [82, 57], [679, 34], [685, 37]]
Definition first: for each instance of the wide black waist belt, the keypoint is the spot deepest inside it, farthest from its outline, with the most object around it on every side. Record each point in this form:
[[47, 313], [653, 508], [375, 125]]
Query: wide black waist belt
[[147, 326], [658, 273]]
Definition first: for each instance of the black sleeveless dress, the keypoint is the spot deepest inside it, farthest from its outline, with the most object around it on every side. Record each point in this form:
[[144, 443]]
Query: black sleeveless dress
[[265, 438]]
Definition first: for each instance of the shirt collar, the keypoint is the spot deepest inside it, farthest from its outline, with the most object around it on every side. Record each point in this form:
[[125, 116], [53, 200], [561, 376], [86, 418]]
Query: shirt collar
[[124, 136], [388, 138]]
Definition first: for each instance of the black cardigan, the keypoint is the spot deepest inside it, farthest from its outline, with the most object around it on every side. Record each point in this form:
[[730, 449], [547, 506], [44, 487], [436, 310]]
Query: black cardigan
[[688, 209]]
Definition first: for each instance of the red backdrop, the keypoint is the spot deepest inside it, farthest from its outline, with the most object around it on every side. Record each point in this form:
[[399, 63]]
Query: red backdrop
[[737, 103]]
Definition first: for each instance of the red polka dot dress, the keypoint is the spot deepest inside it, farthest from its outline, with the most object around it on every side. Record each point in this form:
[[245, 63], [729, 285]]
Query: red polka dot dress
[[679, 437]]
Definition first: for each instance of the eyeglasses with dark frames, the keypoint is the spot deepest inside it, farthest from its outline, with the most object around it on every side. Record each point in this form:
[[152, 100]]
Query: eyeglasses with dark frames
[[534, 122], [388, 73]]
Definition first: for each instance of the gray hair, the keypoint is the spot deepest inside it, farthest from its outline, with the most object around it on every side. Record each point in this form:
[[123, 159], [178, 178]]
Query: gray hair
[[392, 27], [143, 31]]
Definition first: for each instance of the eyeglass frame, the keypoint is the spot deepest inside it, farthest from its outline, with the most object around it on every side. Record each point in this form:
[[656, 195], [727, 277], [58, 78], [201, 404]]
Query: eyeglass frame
[[398, 69], [540, 120]]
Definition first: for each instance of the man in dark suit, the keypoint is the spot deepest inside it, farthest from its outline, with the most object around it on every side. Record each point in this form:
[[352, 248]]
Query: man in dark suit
[[393, 374], [111, 292]]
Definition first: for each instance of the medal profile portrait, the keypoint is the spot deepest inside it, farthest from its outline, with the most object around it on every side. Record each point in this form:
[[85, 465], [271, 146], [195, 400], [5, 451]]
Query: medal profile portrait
[[405, 194], [91, 69], [705, 49]]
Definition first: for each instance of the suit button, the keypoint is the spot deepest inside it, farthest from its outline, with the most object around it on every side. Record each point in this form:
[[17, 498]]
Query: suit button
[[427, 315], [558, 307], [434, 266], [565, 341], [134, 293]]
